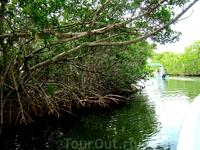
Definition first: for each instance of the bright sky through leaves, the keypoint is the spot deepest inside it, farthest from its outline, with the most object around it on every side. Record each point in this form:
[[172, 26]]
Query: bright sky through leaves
[[190, 29]]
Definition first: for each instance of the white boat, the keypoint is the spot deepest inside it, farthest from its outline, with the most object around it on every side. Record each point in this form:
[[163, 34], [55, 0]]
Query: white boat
[[189, 137], [161, 73]]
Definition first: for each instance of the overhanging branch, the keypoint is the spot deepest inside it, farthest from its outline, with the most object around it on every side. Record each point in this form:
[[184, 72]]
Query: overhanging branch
[[63, 54], [10, 35]]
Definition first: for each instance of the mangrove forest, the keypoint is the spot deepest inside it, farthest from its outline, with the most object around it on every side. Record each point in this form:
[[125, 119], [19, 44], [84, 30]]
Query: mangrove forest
[[57, 56], [185, 64]]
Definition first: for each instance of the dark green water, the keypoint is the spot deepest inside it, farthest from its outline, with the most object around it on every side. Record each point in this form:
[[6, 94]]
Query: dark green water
[[151, 120]]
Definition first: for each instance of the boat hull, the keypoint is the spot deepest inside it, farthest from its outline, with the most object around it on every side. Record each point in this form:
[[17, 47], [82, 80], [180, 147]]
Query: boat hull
[[189, 137]]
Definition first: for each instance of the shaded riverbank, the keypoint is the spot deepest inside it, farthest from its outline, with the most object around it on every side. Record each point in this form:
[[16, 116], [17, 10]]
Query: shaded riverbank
[[42, 133], [75, 105], [151, 120]]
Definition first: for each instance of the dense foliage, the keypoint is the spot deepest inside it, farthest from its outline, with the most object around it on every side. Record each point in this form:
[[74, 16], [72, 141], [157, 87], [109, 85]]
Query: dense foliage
[[57, 54], [187, 63]]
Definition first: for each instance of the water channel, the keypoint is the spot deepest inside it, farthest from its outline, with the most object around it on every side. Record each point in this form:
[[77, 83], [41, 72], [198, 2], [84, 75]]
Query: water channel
[[151, 120]]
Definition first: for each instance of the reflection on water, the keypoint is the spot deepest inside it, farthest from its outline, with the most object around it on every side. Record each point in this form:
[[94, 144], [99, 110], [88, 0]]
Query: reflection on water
[[150, 121], [124, 125], [171, 98]]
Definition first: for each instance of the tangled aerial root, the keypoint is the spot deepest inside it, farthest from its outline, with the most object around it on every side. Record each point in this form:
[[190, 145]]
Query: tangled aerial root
[[33, 100]]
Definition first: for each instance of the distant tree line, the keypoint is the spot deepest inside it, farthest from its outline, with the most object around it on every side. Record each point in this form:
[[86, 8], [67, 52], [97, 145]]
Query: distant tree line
[[187, 63]]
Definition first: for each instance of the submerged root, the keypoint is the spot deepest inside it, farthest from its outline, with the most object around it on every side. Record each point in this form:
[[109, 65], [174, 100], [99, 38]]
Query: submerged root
[[22, 117]]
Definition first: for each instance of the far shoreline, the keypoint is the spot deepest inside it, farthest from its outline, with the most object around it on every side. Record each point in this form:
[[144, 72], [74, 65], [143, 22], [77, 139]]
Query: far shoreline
[[185, 75]]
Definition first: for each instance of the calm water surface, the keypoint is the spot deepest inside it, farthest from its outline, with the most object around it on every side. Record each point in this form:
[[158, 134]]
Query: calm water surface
[[151, 120]]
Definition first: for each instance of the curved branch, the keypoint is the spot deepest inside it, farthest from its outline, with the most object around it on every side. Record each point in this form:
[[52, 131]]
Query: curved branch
[[75, 36], [59, 56], [54, 59]]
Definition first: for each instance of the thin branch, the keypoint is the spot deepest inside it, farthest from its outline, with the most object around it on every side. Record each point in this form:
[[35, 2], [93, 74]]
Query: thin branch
[[2, 104], [9, 24], [97, 14], [83, 68], [18, 97], [186, 17], [54, 59], [53, 44], [61, 35], [141, 15]]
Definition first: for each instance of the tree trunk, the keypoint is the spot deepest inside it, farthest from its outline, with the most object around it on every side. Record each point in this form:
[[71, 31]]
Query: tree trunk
[[5, 59], [3, 45]]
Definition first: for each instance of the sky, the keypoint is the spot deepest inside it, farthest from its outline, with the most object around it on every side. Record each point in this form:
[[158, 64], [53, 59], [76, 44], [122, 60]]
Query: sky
[[190, 29]]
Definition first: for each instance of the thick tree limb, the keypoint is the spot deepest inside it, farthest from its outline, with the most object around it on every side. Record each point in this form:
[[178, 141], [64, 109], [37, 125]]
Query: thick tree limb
[[74, 36], [63, 54], [10, 35]]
